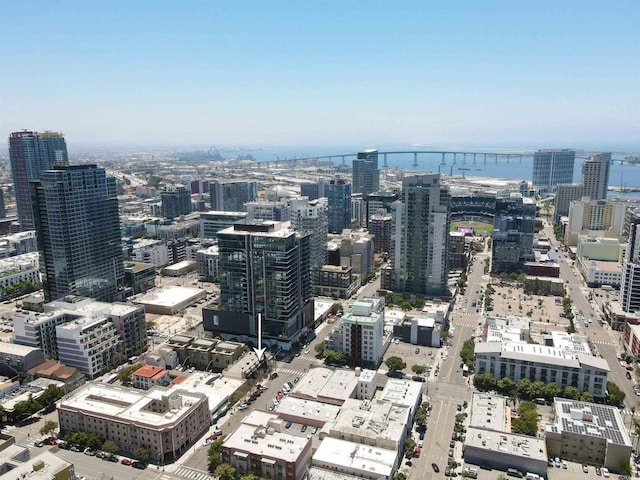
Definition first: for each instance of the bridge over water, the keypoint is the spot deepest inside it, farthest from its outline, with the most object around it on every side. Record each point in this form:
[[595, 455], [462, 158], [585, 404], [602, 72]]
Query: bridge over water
[[447, 157]]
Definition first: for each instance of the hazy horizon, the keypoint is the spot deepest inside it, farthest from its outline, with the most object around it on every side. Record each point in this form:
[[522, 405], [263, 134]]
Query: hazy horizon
[[200, 74]]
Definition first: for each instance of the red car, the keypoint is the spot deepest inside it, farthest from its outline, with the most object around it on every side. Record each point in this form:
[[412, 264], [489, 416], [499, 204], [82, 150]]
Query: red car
[[126, 461]]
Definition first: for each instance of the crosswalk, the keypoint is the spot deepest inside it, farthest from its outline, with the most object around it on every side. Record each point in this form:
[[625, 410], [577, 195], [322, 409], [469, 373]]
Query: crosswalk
[[192, 473], [626, 411], [600, 342], [310, 358], [291, 371]]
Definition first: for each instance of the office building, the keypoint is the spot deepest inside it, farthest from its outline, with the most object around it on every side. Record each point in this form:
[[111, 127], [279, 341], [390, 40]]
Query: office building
[[165, 421], [593, 184], [273, 210], [78, 229], [67, 327], [261, 445], [420, 236], [565, 361], [338, 193], [358, 210], [551, 168], [457, 251], [231, 195], [366, 175], [207, 261], [264, 269], [3, 210], [353, 248], [360, 335], [513, 229], [176, 201], [379, 203], [630, 287], [139, 277], [586, 214], [600, 260], [31, 153], [589, 433], [18, 358]]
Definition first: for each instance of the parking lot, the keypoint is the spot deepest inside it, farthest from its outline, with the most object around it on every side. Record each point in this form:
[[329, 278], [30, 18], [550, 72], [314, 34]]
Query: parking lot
[[424, 356]]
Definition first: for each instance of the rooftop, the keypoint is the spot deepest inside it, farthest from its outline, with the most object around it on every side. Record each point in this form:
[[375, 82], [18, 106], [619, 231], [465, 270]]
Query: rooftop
[[170, 296], [519, 445], [150, 371], [51, 466], [15, 349], [401, 392], [311, 409], [371, 461], [325, 384], [589, 419], [488, 412]]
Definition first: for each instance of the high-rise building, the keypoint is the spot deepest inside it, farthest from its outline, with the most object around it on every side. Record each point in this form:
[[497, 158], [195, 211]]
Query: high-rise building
[[630, 287], [593, 184], [78, 229], [3, 210], [274, 210], [366, 175], [311, 216], [513, 228], [231, 195], [379, 203], [420, 236], [338, 193], [380, 228], [551, 168], [263, 269], [31, 153], [313, 190], [176, 201]]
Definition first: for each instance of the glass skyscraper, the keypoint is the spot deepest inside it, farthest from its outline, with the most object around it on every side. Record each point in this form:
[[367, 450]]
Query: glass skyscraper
[[366, 175], [338, 193], [551, 168], [78, 231], [31, 153]]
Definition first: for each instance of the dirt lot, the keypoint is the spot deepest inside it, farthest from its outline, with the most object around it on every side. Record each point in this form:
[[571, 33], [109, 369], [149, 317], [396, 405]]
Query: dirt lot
[[545, 312]]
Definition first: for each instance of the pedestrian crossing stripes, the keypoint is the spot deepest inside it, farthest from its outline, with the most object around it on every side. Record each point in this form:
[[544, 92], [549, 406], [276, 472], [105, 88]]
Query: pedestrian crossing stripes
[[291, 371], [600, 342], [626, 411], [309, 358], [192, 473]]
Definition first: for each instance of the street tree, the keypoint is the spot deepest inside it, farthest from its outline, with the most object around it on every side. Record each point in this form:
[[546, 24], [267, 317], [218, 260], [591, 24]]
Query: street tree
[[224, 471], [395, 363], [110, 446], [418, 369], [49, 427], [141, 453]]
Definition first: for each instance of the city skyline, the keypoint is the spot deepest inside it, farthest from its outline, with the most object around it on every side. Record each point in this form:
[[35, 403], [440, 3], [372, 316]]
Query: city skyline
[[499, 74]]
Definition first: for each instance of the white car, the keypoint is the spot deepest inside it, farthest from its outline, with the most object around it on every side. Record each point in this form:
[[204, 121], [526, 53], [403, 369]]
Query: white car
[[605, 472], [244, 406]]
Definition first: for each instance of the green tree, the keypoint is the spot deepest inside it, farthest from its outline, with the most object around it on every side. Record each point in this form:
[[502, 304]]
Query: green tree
[[395, 363], [110, 446], [467, 352], [550, 391], [224, 471], [320, 347], [337, 308], [124, 375], [506, 386], [484, 382], [331, 357], [405, 306], [616, 395], [587, 397], [250, 476], [141, 453], [49, 427], [418, 369], [214, 454], [409, 447], [571, 392], [527, 423], [399, 476], [50, 395]]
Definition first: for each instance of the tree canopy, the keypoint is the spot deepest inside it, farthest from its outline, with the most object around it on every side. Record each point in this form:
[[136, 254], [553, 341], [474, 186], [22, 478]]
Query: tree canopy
[[395, 363]]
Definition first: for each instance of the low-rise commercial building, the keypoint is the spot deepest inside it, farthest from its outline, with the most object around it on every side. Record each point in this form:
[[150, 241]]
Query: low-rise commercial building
[[44, 465], [326, 385], [352, 458], [205, 353], [336, 281], [261, 445], [170, 300], [19, 269], [589, 433], [15, 359], [165, 421], [139, 276], [149, 376]]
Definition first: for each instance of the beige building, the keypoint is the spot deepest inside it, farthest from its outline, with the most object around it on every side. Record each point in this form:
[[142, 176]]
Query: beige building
[[588, 433], [149, 376], [165, 421], [205, 353], [261, 445]]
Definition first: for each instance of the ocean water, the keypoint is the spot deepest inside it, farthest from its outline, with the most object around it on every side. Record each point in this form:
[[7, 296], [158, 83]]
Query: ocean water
[[621, 175]]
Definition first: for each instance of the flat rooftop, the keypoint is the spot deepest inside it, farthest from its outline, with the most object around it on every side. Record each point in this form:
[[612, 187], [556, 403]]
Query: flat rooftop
[[371, 461], [325, 384], [489, 412], [52, 466], [590, 419], [129, 404], [401, 392], [265, 443], [508, 443], [170, 296], [15, 349], [311, 409]]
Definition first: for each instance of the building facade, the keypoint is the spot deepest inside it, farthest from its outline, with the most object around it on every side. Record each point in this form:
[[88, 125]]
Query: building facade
[[366, 175], [78, 229], [338, 192], [420, 236], [551, 168], [513, 228], [31, 153], [231, 195], [264, 270], [176, 201], [213, 221], [311, 216]]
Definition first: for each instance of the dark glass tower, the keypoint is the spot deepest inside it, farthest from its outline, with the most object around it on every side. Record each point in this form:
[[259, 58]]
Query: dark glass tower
[[366, 175], [176, 201], [78, 230], [31, 153], [338, 194]]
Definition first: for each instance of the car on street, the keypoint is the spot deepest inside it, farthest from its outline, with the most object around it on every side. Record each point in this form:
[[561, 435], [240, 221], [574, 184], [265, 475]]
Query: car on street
[[39, 443], [452, 444], [244, 406], [296, 380], [585, 469], [628, 374], [451, 452], [89, 452], [126, 461], [314, 431], [598, 471], [417, 351], [605, 472], [273, 375], [303, 429], [557, 463], [139, 465], [75, 448], [435, 467], [421, 435], [287, 425]]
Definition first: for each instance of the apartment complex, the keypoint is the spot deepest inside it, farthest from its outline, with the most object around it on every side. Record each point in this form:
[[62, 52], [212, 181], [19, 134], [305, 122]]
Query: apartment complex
[[32, 153], [420, 236], [338, 193], [82, 333], [149, 376], [165, 421], [513, 228], [213, 221], [366, 175], [264, 269], [566, 362], [231, 195], [630, 286], [76, 217], [360, 335], [311, 216], [176, 201]]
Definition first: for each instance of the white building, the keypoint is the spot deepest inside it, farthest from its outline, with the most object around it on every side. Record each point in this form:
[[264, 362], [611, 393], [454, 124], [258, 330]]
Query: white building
[[352, 458], [367, 384], [18, 269], [155, 252], [207, 260], [568, 362], [600, 260], [360, 336]]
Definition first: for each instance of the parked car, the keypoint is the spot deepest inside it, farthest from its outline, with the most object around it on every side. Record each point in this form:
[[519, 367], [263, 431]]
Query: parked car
[[139, 465], [435, 467], [273, 375], [605, 472], [421, 435], [585, 468], [598, 471], [126, 461], [39, 443], [628, 374], [303, 429], [287, 425]]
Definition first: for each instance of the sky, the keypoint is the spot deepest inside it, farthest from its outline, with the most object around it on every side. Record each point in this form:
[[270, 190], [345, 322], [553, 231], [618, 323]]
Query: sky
[[202, 73]]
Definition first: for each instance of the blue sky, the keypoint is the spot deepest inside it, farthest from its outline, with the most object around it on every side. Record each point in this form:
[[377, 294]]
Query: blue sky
[[492, 73]]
